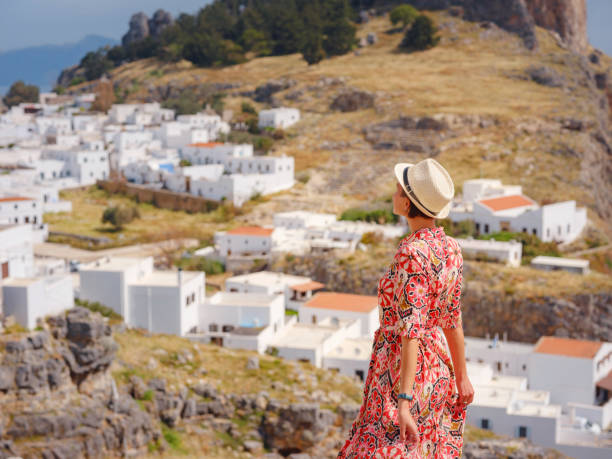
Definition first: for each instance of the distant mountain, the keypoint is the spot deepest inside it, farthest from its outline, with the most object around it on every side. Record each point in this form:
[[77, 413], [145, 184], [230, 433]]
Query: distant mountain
[[41, 65]]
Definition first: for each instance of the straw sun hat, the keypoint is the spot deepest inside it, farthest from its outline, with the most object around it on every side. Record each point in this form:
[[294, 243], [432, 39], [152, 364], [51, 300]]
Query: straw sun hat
[[428, 185]]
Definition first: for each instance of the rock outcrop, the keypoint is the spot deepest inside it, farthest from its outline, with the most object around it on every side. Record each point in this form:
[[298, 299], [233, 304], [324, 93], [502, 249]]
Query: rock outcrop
[[57, 398], [565, 17], [142, 27]]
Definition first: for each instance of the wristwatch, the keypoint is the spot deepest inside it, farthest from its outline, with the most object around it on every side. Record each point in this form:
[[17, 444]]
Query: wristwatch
[[405, 396]]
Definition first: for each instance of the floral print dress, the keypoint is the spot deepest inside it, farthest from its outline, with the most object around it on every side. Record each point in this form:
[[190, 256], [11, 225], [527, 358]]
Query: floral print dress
[[419, 293]]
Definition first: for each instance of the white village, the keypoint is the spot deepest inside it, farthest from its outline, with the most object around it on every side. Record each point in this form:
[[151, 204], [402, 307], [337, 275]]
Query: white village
[[556, 392]]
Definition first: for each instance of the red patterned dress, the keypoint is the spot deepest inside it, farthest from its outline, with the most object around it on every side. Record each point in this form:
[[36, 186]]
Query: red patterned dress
[[419, 292]]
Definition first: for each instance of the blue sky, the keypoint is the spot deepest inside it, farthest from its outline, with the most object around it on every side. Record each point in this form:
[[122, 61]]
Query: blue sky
[[38, 22]]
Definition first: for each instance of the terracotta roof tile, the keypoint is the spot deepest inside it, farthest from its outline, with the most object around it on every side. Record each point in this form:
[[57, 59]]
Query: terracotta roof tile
[[252, 231], [567, 347], [307, 286], [507, 202], [343, 302], [15, 198], [205, 144]]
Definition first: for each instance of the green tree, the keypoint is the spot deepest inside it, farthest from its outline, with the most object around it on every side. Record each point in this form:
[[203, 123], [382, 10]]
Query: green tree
[[248, 108], [338, 31], [96, 64], [312, 50], [185, 104], [119, 216], [421, 36], [406, 14], [20, 92]]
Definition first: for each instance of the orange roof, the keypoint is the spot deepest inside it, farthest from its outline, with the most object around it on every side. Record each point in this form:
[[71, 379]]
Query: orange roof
[[305, 287], [205, 144], [251, 231], [507, 202], [343, 302], [15, 198], [567, 347]]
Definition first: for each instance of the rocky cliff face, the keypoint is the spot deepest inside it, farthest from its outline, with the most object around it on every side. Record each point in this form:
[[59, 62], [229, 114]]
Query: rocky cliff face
[[142, 27], [565, 17], [57, 398]]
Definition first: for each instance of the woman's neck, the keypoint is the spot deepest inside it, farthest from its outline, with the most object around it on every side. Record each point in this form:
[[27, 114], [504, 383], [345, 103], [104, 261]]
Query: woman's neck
[[418, 224]]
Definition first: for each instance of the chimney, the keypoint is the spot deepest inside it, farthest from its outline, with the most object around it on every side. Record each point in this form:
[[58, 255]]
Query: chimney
[[180, 276]]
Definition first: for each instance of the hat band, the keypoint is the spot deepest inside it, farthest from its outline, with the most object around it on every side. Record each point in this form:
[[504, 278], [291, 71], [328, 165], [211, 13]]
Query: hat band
[[411, 193]]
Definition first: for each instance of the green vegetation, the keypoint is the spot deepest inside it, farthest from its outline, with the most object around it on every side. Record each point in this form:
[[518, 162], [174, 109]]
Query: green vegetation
[[95, 306], [381, 216], [119, 216], [184, 104], [76, 81], [173, 439], [404, 14], [248, 108], [184, 163], [210, 267], [228, 32], [532, 245], [421, 36], [20, 92]]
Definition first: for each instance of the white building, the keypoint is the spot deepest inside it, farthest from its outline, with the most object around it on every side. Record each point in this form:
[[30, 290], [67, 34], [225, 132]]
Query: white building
[[83, 165], [342, 306], [20, 209], [572, 265], [495, 208], [159, 301], [295, 289], [30, 299], [244, 241], [16, 251], [310, 343], [509, 253], [350, 357], [278, 118]]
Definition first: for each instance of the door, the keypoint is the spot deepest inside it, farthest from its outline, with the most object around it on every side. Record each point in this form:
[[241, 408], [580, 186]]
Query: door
[[5, 270]]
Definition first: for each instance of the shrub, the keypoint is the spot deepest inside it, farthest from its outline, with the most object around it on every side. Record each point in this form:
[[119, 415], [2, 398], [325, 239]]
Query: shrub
[[184, 163], [95, 306], [406, 14], [119, 216], [421, 36], [248, 108], [20, 92], [380, 216], [263, 144]]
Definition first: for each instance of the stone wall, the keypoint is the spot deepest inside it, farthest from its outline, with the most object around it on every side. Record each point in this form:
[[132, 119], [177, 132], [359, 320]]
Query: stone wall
[[161, 198]]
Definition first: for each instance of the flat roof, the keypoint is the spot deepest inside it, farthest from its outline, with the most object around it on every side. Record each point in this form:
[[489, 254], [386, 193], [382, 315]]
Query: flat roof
[[560, 261], [305, 336], [266, 278], [507, 202], [567, 347], [241, 299], [205, 144], [165, 278], [486, 244], [352, 349], [251, 231], [343, 302], [113, 264], [510, 346]]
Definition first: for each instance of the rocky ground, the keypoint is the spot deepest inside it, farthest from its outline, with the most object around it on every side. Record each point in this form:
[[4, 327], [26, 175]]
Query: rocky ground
[[75, 389]]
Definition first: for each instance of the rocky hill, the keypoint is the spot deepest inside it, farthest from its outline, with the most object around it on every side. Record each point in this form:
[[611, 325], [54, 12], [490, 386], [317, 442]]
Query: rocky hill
[[75, 389], [481, 102]]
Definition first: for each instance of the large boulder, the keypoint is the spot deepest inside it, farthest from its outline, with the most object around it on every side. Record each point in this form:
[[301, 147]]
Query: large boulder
[[160, 20], [139, 29]]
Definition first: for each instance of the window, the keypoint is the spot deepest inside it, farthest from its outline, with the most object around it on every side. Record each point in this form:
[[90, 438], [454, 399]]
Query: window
[[478, 227], [524, 367], [314, 319], [15, 206], [193, 297], [568, 228], [534, 232], [486, 228], [33, 204], [559, 229], [359, 374], [35, 218], [485, 424], [524, 230], [522, 431], [547, 232], [27, 220], [213, 327]]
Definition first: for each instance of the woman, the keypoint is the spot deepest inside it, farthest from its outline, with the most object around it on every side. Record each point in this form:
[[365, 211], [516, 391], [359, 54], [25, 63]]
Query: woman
[[410, 407]]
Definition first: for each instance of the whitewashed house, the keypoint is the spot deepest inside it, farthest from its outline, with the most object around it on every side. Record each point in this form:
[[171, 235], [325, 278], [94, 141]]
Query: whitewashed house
[[342, 306], [16, 251], [509, 253], [244, 241], [295, 289], [278, 118], [159, 301], [30, 299], [83, 165], [53, 124], [20, 209], [572, 265], [495, 208], [310, 343], [350, 357]]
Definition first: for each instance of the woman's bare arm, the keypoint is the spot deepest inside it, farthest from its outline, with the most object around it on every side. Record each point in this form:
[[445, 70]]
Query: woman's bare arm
[[408, 364], [456, 345]]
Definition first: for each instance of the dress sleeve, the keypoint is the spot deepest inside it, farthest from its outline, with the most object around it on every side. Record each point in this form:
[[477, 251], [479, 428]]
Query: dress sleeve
[[451, 314], [411, 292]]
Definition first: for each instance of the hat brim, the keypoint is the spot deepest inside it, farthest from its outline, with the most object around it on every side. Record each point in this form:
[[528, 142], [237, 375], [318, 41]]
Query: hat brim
[[399, 175]]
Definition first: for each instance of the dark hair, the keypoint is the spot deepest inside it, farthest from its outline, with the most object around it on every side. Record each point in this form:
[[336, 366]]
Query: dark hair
[[413, 210]]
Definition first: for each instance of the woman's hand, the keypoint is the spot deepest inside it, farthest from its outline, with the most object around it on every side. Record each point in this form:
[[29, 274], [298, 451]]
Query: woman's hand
[[465, 390], [408, 428]]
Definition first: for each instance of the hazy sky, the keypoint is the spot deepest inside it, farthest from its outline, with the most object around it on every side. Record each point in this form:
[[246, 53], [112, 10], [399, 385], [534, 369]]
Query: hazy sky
[[37, 22]]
